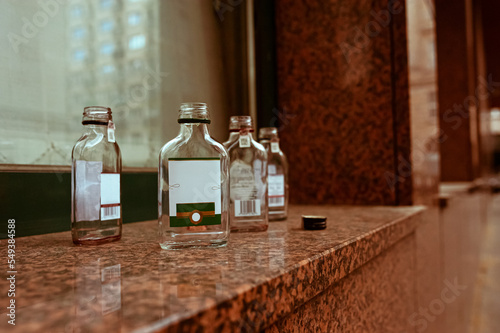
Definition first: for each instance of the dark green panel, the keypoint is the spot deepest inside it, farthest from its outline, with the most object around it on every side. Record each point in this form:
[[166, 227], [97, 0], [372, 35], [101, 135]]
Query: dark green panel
[[41, 202]]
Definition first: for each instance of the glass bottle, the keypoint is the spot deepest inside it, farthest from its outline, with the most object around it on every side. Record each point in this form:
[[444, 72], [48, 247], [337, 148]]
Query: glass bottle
[[248, 177], [95, 180], [193, 185], [277, 174]]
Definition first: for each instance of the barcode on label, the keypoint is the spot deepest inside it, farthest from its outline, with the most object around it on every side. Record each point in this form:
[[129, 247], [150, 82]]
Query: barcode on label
[[244, 141], [247, 207], [276, 201], [110, 212]]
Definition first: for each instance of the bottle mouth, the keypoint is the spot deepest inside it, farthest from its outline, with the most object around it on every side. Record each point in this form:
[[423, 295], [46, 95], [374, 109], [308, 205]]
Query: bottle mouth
[[193, 106], [193, 113], [240, 122], [268, 133], [96, 115], [96, 110]]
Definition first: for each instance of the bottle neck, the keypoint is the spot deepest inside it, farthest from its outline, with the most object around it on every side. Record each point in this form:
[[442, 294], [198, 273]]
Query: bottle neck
[[194, 131], [97, 128]]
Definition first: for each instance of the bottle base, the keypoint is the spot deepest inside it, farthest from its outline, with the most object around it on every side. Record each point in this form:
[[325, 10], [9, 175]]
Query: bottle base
[[277, 217], [193, 245], [254, 228], [97, 241]]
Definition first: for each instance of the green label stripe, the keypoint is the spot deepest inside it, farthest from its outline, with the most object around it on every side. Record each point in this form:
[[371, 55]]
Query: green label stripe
[[201, 206], [186, 222], [194, 159]]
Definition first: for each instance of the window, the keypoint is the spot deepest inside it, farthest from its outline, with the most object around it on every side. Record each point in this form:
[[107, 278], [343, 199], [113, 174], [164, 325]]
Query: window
[[106, 69], [106, 3], [137, 42], [106, 26], [55, 75], [107, 48], [134, 18], [79, 55], [77, 11], [79, 32]]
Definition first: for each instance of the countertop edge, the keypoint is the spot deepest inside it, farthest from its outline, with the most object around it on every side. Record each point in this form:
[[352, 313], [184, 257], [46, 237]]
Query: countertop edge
[[277, 297]]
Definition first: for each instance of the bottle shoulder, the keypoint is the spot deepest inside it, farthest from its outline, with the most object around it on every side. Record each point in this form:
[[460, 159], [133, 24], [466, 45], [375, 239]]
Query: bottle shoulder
[[91, 143], [180, 147]]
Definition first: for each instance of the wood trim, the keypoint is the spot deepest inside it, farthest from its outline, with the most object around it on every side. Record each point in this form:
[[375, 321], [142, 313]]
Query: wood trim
[[40, 168]]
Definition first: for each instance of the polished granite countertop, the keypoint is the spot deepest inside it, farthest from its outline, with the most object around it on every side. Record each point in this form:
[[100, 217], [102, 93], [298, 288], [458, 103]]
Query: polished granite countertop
[[133, 285]]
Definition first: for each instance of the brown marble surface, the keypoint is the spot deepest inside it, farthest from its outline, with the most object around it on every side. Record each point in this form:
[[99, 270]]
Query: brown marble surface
[[133, 285], [377, 298]]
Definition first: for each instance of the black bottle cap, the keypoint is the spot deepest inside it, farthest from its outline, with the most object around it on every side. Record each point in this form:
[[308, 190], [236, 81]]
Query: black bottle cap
[[310, 222]]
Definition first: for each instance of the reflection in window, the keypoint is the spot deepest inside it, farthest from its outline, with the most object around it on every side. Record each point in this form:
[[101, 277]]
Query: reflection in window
[[107, 48], [106, 26], [134, 18], [79, 55], [137, 42], [79, 32]]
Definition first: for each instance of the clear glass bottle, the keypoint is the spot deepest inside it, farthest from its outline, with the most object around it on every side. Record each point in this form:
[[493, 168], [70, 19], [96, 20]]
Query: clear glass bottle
[[277, 174], [96, 166], [193, 185], [248, 177]]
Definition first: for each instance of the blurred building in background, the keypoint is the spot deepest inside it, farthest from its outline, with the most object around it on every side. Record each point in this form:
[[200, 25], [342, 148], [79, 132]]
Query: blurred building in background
[[113, 60]]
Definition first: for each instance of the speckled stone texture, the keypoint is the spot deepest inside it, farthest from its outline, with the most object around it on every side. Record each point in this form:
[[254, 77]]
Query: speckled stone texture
[[257, 280], [343, 97], [380, 298]]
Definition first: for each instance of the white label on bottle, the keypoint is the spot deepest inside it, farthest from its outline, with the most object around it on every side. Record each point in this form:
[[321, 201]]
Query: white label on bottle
[[271, 169], [247, 207], [110, 196], [111, 131], [275, 147], [276, 190], [244, 141], [194, 188], [242, 180], [87, 190]]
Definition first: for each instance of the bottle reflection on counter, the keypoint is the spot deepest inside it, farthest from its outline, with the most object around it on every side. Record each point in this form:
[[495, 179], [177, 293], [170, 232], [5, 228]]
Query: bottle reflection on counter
[[98, 297]]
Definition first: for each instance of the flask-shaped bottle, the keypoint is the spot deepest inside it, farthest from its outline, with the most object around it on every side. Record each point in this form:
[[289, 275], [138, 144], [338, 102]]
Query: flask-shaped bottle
[[96, 214]]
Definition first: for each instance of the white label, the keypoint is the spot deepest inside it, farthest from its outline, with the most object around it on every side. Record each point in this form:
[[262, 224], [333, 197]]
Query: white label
[[110, 196], [271, 169], [275, 147], [194, 181], [276, 190], [110, 188], [87, 190], [247, 207], [244, 141], [111, 131], [243, 182]]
